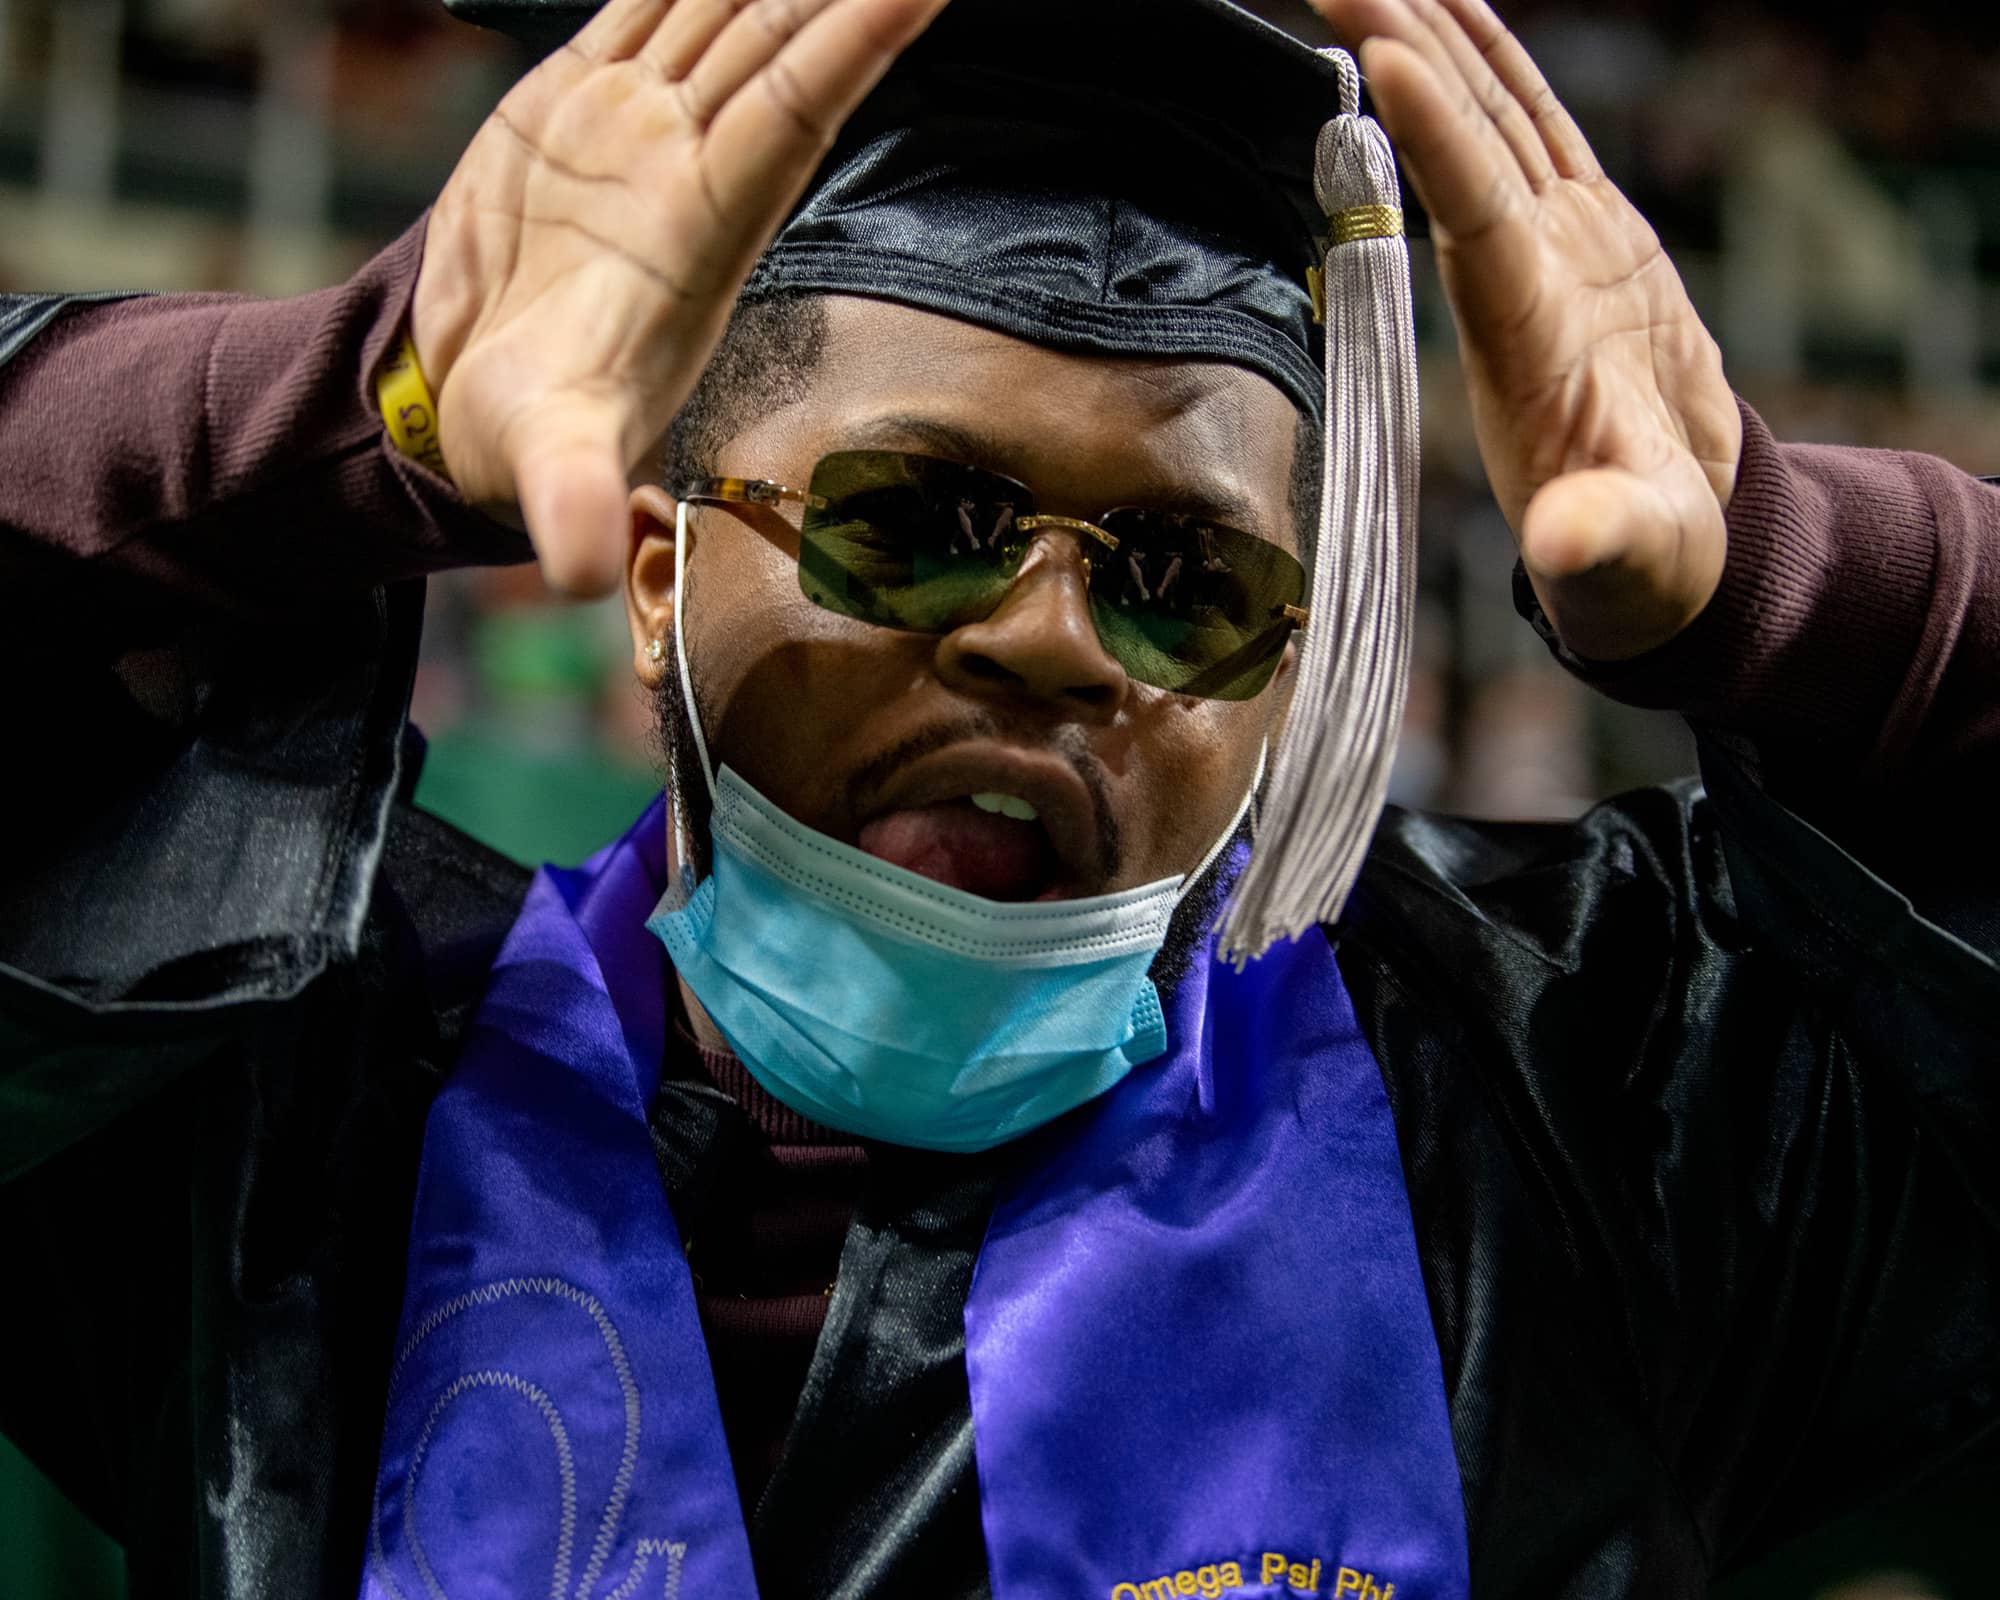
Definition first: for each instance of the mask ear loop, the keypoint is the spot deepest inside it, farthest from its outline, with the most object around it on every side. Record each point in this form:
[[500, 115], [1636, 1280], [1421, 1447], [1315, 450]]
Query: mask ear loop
[[683, 841], [1228, 833]]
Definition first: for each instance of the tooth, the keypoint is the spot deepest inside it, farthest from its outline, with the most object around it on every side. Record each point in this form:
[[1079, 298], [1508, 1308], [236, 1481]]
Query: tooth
[[1004, 805]]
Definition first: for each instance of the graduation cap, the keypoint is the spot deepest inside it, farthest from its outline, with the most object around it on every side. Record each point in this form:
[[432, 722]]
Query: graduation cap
[[1161, 178]]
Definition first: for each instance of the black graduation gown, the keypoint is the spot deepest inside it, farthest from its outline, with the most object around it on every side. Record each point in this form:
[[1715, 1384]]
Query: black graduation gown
[[1696, 1113]]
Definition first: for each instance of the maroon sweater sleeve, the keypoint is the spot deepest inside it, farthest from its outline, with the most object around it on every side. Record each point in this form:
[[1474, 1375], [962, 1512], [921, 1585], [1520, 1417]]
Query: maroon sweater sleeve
[[1856, 633], [223, 449]]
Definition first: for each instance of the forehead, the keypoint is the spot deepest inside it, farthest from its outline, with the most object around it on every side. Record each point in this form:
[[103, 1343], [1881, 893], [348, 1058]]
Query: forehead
[[1085, 431]]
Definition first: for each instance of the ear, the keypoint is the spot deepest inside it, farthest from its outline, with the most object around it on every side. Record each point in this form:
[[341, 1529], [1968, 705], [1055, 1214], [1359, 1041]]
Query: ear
[[649, 578]]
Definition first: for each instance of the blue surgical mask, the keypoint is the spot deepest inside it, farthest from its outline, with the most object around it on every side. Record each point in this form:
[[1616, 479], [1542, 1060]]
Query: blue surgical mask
[[880, 1002]]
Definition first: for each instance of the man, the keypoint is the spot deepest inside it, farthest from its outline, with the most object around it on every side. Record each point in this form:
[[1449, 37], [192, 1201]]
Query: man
[[1586, 1208]]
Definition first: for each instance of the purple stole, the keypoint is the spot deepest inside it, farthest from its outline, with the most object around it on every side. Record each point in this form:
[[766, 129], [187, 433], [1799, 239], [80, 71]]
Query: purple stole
[[1200, 1354]]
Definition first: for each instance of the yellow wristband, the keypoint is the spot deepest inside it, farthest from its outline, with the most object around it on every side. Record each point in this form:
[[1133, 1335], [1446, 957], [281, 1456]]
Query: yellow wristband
[[408, 411]]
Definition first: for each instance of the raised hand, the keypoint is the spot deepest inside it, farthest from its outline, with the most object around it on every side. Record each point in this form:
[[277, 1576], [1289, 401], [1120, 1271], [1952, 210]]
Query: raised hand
[[582, 260], [1608, 432]]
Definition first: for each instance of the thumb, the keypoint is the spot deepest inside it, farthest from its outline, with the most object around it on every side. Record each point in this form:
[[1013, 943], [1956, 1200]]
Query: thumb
[[1613, 562], [1590, 521], [569, 477]]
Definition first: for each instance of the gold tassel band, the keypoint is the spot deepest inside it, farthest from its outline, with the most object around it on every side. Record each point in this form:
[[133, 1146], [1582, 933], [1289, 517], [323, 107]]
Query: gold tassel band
[[1356, 222], [1366, 222]]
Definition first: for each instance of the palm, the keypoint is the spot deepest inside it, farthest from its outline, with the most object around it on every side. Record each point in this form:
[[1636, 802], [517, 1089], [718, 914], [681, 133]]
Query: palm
[[1577, 338], [1608, 432], [582, 262]]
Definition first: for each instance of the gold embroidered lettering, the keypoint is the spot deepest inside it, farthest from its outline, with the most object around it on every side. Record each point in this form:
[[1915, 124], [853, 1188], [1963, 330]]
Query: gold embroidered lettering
[[1217, 1580], [1299, 1576]]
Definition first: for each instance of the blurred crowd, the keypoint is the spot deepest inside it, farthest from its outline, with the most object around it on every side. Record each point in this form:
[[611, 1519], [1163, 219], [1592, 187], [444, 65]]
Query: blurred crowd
[[1828, 182]]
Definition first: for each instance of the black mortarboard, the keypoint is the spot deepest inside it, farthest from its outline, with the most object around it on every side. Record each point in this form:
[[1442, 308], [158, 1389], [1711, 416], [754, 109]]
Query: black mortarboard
[[1160, 178]]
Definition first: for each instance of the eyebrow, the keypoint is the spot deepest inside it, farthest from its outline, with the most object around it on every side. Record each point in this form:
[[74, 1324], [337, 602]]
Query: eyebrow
[[978, 449]]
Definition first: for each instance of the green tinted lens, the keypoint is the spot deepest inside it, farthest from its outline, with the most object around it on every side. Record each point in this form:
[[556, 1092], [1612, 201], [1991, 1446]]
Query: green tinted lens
[[909, 541], [1193, 606]]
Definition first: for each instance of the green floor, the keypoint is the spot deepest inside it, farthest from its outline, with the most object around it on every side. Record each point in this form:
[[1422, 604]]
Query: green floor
[[50, 1550]]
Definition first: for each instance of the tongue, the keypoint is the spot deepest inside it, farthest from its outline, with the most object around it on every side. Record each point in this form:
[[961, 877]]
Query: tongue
[[960, 845]]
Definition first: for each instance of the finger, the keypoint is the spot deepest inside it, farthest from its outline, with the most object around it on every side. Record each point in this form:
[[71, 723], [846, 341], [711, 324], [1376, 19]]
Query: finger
[[619, 28], [1505, 112], [1466, 179], [1602, 552], [766, 140], [1587, 522], [571, 486], [1421, 26], [687, 30], [1620, 562], [746, 36], [1568, 150], [614, 33]]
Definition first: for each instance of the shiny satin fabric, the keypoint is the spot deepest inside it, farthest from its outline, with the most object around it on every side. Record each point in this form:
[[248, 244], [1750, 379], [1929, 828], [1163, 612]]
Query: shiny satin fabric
[[1004, 221], [1695, 1117], [551, 1423], [550, 1408], [1198, 1341]]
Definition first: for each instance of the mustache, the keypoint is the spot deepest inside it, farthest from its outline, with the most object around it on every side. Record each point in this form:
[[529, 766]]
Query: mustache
[[1070, 745]]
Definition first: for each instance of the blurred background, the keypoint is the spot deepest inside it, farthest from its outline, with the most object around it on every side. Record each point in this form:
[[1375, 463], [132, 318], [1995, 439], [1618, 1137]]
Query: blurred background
[[1827, 180]]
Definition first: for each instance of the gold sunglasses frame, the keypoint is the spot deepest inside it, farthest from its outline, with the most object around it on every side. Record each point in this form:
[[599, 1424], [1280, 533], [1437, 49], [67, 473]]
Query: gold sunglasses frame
[[769, 492]]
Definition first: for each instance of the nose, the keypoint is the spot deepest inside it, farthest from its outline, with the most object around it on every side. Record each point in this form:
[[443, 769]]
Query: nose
[[1040, 640]]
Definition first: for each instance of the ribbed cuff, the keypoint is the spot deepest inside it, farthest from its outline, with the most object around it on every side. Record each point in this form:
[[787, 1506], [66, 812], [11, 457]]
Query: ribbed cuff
[[400, 519], [1812, 631]]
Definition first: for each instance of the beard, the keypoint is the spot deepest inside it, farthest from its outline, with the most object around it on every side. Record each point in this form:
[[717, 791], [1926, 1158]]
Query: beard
[[1189, 932]]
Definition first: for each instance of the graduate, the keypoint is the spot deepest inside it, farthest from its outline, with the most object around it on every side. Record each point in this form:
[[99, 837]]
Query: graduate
[[1017, 1116]]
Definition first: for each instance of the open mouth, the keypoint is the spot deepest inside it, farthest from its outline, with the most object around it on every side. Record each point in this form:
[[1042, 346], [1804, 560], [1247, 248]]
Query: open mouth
[[989, 844]]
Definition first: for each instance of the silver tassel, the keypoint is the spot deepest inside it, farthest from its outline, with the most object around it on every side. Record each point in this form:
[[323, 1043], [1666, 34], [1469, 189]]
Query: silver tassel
[[1332, 770]]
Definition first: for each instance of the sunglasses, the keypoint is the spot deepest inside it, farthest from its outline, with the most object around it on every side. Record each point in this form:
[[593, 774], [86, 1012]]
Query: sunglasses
[[928, 545]]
